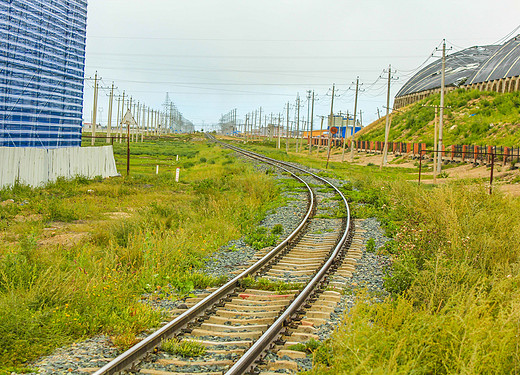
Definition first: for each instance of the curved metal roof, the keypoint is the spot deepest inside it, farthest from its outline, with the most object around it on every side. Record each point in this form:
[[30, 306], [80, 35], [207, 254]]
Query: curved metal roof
[[459, 67], [472, 65], [504, 63]]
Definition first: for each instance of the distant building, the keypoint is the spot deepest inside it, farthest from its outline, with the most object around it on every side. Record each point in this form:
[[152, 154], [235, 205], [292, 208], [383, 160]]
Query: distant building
[[486, 68], [344, 124], [42, 63]]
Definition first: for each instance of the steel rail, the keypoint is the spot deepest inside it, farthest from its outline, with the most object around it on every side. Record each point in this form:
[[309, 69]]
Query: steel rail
[[247, 361], [147, 345]]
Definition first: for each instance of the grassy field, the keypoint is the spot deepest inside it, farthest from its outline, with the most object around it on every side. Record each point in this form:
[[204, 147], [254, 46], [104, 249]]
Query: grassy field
[[473, 118], [75, 256], [454, 305]]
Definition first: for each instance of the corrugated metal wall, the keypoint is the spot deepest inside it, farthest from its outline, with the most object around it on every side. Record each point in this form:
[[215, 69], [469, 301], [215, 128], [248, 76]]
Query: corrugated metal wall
[[42, 63], [36, 167]]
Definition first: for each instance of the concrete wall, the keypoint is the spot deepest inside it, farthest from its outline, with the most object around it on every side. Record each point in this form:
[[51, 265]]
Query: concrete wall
[[36, 166]]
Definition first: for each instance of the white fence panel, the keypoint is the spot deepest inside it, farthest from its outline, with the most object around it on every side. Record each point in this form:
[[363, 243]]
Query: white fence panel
[[37, 167]]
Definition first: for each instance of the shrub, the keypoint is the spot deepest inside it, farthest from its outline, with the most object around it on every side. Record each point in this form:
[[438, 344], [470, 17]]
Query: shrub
[[184, 348], [260, 238], [60, 211], [277, 229], [371, 245]]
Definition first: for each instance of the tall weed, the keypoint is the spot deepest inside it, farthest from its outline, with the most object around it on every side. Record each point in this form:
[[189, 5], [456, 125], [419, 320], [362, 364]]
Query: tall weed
[[455, 290]]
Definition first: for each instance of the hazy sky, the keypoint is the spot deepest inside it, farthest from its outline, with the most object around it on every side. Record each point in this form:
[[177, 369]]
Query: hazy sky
[[216, 55]]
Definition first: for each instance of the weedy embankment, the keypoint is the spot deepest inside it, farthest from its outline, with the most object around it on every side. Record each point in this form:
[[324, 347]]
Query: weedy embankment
[[454, 304], [454, 286]]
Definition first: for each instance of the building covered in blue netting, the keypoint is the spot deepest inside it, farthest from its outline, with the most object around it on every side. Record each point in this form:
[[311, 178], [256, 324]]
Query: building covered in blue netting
[[42, 64]]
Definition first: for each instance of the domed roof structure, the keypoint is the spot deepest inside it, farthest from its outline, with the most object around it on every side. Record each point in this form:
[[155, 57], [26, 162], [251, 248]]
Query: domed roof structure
[[470, 66], [459, 67], [504, 63]]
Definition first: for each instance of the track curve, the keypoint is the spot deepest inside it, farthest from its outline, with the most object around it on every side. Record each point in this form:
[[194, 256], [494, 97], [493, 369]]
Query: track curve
[[290, 305]]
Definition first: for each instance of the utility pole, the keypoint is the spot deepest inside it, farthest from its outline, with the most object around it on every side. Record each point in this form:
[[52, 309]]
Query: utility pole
[[308, 116], [435, 148], [387, 125], [110, 103], [378, 113], [138, 118], [94, 112], [330, 123], [266, 126], [254, 127], [279, 134], [135, 114], [130, 108], [246, 127], [287, 131], [319, 139], [156, 121], [152, 123], [354, 126], [361, 118], [441, 109], [123, 112], [259, 123], [145, 124], [297, 121], [117, 117], [312, 124], [148, 123]]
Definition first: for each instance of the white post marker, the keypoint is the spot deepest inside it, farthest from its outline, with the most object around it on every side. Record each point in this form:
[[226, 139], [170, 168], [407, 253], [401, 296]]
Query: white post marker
[[177, 157], [177, 174], [157, 170]]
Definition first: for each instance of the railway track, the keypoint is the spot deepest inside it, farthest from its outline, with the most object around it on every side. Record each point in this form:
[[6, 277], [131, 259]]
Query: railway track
[[240, 325]]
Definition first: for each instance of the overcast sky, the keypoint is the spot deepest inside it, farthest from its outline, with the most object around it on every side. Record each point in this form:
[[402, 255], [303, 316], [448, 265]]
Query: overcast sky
[[215, 55]]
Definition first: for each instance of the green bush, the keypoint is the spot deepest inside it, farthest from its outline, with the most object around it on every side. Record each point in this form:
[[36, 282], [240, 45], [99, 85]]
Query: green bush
[[185, 348], [371, 245], [261, 238], [59, 211]]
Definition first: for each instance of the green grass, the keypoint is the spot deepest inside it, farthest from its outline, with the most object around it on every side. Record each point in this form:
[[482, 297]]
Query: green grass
[[454, 285], [185, 348], [261, 237], [53, 292], [371, 245], [475, 118], [454, 282], [266, 284], [16, 370]]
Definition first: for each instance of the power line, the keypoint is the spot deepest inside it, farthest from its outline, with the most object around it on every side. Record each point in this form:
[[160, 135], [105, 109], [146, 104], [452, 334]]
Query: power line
[[155, 69], [260, 57], [260, 40], [224, 83]]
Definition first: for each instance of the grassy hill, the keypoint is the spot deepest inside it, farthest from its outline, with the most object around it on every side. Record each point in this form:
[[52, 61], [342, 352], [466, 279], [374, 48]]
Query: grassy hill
[[475, 118]]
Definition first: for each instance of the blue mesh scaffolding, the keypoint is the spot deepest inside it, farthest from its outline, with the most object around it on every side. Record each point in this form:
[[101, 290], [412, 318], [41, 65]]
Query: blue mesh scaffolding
[[42, 65]]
